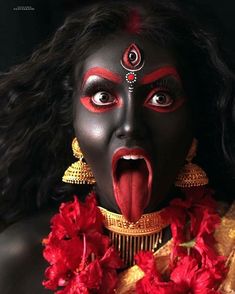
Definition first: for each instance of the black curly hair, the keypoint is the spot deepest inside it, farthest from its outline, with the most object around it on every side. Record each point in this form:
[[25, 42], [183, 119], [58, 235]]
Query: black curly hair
[[36, 115]]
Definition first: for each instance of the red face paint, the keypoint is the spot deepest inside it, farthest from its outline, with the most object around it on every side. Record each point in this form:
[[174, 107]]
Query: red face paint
[[134, 22], [88, 100], [132, 58], [160, 73], [171, 106], [91, 106], [103, 73]]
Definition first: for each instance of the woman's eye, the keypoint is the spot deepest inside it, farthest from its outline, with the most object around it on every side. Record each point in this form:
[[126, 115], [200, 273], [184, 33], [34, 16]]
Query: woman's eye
[[103, 98], [161, 99], [100, 101]]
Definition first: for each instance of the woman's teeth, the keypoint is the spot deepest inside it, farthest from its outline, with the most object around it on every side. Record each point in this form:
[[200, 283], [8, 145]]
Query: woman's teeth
[[133, 157]]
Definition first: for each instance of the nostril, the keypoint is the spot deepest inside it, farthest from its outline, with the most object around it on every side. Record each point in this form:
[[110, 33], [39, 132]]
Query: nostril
[[121, 136]]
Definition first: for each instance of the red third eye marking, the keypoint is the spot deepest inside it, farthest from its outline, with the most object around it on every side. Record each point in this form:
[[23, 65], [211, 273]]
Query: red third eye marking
[[132, 58]]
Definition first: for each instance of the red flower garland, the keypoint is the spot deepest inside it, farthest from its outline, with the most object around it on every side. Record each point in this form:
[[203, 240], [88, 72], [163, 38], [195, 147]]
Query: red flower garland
[[82, 261], [80, 256], [195, 265]]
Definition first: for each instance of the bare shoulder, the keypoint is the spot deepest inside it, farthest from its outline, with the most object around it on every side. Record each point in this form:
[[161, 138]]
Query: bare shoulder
[[21, 263]]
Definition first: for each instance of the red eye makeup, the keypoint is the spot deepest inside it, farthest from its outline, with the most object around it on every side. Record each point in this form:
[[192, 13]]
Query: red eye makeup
[[160, 100], [100, 101]]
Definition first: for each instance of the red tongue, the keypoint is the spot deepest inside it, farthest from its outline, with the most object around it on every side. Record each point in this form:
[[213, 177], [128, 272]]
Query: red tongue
[[131, 191]]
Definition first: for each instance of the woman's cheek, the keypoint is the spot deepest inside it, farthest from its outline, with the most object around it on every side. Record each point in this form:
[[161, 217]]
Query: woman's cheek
[[93, 129]]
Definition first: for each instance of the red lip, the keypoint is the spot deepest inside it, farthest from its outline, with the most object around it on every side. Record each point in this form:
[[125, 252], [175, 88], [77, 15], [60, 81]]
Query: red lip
[[132, 181]]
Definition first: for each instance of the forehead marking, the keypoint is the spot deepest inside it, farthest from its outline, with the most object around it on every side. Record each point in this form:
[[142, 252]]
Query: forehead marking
[[131, 77], [132, 61], [132, 58]]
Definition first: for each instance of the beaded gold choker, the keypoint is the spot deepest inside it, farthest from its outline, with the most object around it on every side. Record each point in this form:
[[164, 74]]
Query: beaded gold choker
[[129, 238]]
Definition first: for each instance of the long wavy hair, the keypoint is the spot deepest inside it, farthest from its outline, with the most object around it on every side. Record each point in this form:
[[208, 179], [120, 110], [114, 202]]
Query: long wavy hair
[[36, 115]]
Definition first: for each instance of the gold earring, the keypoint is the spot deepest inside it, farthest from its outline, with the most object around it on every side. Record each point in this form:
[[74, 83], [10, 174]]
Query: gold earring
[[79, 172], [191, 175]]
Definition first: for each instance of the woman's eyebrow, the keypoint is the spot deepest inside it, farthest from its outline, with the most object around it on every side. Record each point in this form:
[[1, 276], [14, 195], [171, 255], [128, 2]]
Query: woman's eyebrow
[[160, 73], [103, 73]]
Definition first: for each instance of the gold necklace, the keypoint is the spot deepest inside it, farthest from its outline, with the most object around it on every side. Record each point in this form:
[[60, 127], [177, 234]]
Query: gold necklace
[[129, 238]]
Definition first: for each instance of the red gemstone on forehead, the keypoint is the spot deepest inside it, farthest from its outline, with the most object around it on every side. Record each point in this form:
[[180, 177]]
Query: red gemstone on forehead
[[131, 77]]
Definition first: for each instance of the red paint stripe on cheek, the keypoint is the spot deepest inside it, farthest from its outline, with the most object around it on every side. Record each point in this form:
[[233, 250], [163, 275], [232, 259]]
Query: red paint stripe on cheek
[[87, 103]]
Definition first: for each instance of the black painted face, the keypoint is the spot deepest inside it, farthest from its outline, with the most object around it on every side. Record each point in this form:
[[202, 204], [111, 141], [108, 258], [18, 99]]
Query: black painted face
[[133, 123]]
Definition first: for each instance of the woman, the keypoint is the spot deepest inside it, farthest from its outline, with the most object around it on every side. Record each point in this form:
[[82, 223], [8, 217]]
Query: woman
[[135, 85]]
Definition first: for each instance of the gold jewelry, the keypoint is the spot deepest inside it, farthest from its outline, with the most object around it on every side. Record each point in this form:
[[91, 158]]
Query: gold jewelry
[[191, 175], [129, 238], [79, 172]]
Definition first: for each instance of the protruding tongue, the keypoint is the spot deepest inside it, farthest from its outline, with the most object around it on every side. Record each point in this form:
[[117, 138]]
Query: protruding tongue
[[131, 188]]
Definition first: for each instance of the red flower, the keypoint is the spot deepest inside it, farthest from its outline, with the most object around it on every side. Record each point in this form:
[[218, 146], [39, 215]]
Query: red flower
[[194, 222], [196, 266], [81, 259], [189, 278], [109, 263], [151, 282], [145, 286], [145, 260], [75, 217]]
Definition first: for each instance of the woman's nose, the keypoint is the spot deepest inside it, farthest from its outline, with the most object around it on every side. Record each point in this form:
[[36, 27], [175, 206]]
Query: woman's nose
[[132, 122]]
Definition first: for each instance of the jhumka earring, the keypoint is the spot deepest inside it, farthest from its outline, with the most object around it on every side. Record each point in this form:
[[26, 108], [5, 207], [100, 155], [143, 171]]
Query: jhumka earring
[[191, 175], [79, 172]]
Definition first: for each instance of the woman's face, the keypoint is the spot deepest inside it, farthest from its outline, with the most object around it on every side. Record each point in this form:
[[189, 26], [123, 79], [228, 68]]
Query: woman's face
[[133, 123]]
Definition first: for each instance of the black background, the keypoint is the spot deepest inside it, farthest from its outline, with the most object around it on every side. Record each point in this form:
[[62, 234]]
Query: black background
[[22, 30]]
